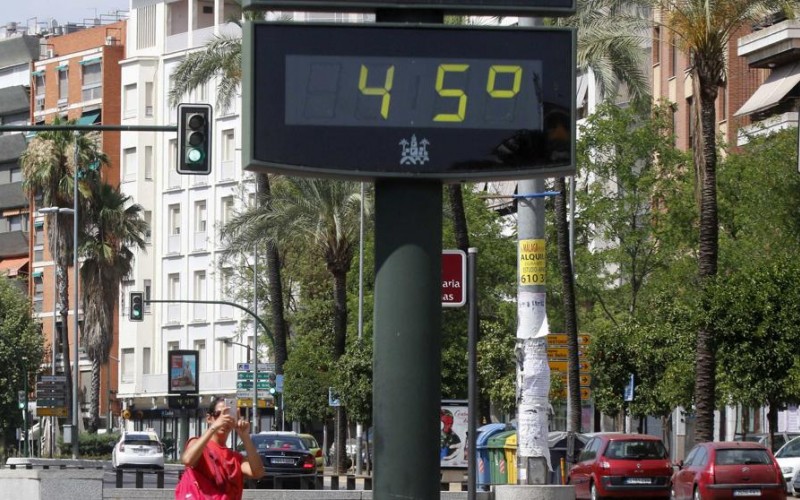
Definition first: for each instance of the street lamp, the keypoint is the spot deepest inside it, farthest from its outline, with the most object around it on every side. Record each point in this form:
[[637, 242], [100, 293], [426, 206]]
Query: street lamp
[[54, 220]]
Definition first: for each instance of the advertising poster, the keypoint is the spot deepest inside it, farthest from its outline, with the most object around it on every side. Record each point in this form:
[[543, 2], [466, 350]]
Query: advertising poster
[[183, 372], [454, 425]]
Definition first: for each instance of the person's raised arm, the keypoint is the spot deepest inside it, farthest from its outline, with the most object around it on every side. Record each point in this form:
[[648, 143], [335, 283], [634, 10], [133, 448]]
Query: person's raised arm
[[253, 468]]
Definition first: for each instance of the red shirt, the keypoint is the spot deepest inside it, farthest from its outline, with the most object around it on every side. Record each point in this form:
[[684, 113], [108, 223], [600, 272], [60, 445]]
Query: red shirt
[[223, 467]]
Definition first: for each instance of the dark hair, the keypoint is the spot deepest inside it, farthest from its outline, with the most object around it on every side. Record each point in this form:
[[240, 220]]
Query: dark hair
[[213, 406]]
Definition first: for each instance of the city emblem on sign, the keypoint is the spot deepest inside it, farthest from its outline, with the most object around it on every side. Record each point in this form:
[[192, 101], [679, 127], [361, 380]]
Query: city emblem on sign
[[414, 153]]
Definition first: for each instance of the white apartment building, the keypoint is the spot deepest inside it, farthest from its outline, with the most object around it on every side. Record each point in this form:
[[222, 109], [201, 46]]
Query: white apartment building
[[186, 213]]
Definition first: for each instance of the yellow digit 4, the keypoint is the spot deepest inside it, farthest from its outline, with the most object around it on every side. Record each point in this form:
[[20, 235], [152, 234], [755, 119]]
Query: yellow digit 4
[[462, 97], [381, 91], [500, 68]]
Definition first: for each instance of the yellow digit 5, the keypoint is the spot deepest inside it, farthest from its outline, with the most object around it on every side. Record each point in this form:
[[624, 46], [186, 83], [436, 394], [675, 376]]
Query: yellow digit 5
[[381, 91], [462, 97], [504, 94]]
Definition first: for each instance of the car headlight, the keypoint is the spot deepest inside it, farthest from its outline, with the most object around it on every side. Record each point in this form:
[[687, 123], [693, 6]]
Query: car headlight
[[786, 470]]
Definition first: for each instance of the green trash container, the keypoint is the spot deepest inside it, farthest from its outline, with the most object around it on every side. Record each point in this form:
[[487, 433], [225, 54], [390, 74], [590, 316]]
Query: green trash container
[[498, 462]]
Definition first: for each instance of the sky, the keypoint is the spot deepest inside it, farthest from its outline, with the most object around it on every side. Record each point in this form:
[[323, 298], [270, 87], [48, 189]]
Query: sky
[[63, 11]]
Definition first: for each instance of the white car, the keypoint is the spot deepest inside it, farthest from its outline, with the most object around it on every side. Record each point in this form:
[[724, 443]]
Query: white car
[[138, 449], [788, 458]]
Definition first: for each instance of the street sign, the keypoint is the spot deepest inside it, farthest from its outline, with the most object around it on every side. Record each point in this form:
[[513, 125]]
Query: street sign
[[60, 411], [262, 367], [486, 103], [454, 278], [249, 375], [248, 403], [249, 394], [248, 384]]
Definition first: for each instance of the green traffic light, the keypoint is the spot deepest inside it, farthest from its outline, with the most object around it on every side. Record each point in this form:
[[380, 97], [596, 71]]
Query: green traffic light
[[194, 155]]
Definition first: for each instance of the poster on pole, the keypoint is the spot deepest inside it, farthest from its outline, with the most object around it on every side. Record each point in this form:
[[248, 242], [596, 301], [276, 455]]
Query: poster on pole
[[183, 372], [454, 425]]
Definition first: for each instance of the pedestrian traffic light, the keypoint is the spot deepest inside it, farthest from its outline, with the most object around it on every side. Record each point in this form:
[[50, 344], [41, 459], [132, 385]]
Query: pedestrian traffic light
[[137, 306], [194, 139]]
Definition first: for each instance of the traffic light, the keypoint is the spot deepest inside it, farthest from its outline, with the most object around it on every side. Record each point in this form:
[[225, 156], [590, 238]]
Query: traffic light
[[271, 382], [137, 306], [194, 139]]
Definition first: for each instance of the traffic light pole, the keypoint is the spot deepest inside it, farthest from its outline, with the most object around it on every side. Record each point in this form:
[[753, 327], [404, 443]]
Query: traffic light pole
[[217, 302]]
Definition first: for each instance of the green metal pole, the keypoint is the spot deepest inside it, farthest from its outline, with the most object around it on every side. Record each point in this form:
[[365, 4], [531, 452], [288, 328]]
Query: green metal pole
[[25, 410], [407, 339]]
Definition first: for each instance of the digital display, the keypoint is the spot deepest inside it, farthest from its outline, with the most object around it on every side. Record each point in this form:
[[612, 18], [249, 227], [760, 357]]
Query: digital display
[[484, 6], [368, 101], [412, 92]]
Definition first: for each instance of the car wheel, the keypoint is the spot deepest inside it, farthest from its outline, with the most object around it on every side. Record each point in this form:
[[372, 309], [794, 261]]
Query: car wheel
[[593, 492]]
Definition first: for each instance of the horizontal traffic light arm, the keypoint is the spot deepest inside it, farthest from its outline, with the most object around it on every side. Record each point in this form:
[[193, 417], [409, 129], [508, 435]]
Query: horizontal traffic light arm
[[218, 302]]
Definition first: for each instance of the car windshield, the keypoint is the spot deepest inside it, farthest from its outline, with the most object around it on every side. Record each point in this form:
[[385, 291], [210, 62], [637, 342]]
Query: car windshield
[[790, 449], [263, 443], [636, 450], [742, 456], [141, 439]]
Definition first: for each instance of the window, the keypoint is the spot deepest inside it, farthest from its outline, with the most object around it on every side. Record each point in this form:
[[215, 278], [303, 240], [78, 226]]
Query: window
[[173, 156], [174, 286], [40, 88], [227, 209], [63, 84], [224, 355], [656, 45], [128, 365], [200, 216], [673, 56], [200, 347], [173, 346], [129, 98], [18, 223], [148, 218], [148, 163], [723, 104], [38, 233], [145, 361], [92, 80], [228, 145], [199, 285], [690, 116], [148, 288], [148, 99], [174, 220], [129, 164], [16, 174]]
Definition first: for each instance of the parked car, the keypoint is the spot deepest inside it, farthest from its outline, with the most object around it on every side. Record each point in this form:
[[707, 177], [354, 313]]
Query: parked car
[[788, 458], [622, 466], [314, 447], [286, 458], [779, 439], [138, 449], [728, 469]]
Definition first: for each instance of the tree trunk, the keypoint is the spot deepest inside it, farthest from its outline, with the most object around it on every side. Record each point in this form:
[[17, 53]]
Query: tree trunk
[[63, 299], [705, 157], [772, 420], [94, 408], [568, 301], [460, 229], [274, 288]]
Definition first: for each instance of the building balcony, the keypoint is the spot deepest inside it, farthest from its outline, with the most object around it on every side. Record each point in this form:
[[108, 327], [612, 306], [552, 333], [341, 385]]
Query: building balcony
[[216, 382], [772, 45]]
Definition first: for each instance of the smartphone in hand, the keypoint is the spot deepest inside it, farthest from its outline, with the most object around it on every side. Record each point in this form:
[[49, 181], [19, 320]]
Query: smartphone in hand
[[233, 410]]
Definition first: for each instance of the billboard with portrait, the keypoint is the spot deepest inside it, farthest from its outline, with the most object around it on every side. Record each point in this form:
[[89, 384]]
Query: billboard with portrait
[[183, 372]]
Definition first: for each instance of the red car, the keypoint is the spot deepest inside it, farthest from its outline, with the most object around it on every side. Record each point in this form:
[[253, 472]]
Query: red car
[[622, 466], [729, 469]]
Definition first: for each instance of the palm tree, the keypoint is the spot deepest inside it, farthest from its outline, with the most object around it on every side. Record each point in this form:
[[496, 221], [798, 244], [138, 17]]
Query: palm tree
[[322, 215], [613, 59], [221, 59], [703, 30], [115, 227], [48, 169]]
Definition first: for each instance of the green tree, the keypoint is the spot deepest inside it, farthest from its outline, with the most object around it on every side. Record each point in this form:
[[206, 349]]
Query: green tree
[[323, 217], [703, 30], [49, 170], [22, 352], [115, 229]]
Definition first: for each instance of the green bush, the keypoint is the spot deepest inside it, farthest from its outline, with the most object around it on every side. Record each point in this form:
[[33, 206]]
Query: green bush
[[94, 446]]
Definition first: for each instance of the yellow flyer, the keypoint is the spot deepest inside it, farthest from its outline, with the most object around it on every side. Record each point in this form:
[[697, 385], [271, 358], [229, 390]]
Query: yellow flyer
[[532, 262]]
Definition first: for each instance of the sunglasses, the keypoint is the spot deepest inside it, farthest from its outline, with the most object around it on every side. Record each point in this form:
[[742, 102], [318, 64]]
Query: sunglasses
[[215, 414]]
